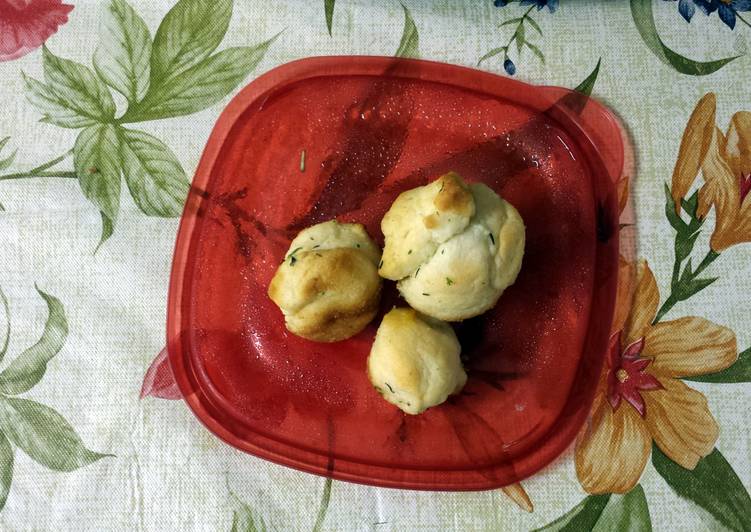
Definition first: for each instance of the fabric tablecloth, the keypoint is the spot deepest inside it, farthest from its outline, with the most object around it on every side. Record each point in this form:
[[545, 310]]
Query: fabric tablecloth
[[90, 197]]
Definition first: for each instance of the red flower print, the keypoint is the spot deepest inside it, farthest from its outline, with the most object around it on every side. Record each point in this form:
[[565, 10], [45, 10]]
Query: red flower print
[[26, 24]]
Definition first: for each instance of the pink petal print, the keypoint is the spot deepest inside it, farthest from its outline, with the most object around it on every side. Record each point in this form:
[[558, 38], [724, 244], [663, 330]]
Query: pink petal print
[[159, 380], [26, 24]]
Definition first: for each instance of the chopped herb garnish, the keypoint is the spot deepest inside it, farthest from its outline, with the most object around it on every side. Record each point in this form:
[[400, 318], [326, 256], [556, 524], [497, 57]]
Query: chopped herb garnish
[[319, 255], [492, 238], [291, 256], [389, 387], [425, 294], [302, 161], [294, 251], [449, 281], [443, 251], [417, 271], [316, 246], [312, 238], [357, 245], [380, 264], [409, 252]]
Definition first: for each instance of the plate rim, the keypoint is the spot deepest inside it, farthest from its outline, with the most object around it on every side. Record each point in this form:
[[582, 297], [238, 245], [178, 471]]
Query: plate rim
[[269, 448]]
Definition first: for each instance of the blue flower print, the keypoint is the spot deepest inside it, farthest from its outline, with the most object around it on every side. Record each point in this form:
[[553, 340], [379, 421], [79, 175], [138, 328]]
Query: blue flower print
[[727, 10]]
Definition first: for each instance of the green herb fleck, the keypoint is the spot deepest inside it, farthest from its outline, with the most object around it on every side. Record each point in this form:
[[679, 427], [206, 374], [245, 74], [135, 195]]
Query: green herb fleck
[[319, 255], [417, 271], [425, 294], [291, 256], [380, 264], [443, 251], [449, 281], [357, 245], [316, 246], [389, 387], [409, 252], [302, 161], [492, 238]]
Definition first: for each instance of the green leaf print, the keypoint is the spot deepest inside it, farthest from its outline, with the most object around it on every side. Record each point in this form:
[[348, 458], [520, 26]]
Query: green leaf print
[[245, 520], [492, 53], [41, 432], [200, 86], [155, 178], [626, 512], [189, 33], [44, 435], [605, 513], [173, 75], [108, 229], [641, 11], [577, 100], [123, 57], [685, 281], [328, 8], [6, 328], [29, 367], [712, 485], [740, 371], [583, 516], [56, 109], [535, 50], [79, 86], [7, 161], [96, 157], [409, 46], [586, 86], [6, 469]]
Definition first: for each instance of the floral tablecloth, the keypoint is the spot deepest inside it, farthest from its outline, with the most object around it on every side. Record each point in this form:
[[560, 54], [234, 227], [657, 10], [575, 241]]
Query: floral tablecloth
[[105, 108]]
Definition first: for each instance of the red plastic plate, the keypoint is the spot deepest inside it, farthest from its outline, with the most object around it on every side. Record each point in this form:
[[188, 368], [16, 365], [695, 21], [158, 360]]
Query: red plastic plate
[[371, 127]]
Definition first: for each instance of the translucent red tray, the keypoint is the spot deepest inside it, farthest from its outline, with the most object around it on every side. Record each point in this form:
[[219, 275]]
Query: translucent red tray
[[371, 127]]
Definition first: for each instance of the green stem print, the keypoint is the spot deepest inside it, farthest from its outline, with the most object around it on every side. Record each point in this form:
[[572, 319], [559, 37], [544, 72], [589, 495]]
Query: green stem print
[[520, 38], [38, 430], [686, 283], [244, 519], [325, 499], [41, 170], [176, 73], [713, 484], [739, 17]]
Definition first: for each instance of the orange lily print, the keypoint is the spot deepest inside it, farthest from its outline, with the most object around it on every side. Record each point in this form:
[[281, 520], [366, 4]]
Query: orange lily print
[[640, 397], [725, 162]]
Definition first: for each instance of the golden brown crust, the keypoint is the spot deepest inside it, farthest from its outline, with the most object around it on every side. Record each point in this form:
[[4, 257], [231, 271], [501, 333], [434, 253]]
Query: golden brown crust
[[454, 195], [414, 362], [421, 219], [327, 295], [453, 248]]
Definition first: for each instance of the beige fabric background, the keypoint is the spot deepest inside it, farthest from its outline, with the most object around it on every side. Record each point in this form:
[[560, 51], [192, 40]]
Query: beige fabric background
[[170, 473]]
